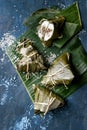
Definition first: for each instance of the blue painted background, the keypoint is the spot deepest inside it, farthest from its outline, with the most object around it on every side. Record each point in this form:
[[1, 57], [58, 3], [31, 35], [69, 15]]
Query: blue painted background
[[16, 108]]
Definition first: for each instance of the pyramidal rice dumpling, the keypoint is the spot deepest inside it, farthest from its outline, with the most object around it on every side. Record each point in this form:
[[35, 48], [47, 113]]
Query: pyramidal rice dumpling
[[60, 72], [31, 60], [46, 100], [48, 30]]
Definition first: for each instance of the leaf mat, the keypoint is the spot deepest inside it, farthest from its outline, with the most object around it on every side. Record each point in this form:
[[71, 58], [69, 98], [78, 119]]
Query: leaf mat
[[74, 47]]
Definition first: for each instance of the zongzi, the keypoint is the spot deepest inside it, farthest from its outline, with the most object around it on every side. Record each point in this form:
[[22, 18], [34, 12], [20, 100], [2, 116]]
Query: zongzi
[[48, 30], [46, 100], [60, 72], [31, 61]]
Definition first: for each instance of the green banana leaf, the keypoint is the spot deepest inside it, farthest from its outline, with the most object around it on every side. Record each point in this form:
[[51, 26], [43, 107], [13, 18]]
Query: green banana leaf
[[72, 25], [74, 47], [79, 62]]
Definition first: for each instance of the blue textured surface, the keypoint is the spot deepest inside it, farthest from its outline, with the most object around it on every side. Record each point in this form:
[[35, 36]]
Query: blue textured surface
[[16, 108]]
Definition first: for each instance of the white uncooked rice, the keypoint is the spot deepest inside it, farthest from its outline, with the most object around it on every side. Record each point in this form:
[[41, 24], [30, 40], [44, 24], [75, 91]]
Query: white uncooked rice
[[51, 58], [6, 41]]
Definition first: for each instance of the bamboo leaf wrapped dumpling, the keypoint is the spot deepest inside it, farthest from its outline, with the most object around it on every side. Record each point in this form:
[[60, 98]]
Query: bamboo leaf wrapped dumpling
[[48, 30], [46, 100], [60, 72], [31, 60]]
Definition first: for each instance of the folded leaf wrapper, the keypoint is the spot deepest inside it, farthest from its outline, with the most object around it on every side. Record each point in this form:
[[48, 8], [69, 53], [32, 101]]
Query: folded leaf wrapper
[[46, 100], [31, 60], [48, 30], [60, 72]]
